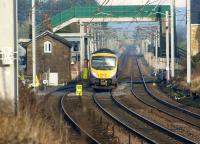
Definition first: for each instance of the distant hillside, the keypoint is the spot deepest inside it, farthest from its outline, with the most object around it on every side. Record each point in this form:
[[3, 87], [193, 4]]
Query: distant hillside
[[181, 27], [49, 7], [43, 8]]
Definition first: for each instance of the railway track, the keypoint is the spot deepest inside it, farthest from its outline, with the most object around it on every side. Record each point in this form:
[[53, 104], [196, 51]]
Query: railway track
[[85, 134], [146, 129], [90, 123], [129, 106], [143, 94], [137, 124]]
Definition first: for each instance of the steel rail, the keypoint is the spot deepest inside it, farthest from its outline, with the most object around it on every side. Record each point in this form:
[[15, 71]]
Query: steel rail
[[165, 102], [165, 112], [153, 124], [149, 140], [141, 100], [162, 110], [91, 139]]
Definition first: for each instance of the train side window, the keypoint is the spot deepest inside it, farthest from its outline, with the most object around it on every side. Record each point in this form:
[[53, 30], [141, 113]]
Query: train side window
[[47, 47]]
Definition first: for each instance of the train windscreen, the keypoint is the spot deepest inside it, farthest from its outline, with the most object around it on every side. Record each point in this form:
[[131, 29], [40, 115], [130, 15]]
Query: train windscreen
[[103, 63]]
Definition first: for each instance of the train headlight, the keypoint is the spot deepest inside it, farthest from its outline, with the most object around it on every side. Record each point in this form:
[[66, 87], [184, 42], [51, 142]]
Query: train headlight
[[94, 74], [112, 74]]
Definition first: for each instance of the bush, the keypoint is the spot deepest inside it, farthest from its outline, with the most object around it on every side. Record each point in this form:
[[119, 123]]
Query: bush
[[195, 60]]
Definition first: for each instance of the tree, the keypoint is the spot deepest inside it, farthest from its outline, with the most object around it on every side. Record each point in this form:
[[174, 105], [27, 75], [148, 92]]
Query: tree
[[46, 23]]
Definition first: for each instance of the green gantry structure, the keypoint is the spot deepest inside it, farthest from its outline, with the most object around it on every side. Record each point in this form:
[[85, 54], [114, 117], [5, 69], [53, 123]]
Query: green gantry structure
[[108, 14], [95, 14]]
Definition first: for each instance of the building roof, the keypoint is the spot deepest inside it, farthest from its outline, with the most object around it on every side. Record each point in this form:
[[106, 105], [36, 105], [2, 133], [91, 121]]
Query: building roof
[[104, 50], [54, 36]]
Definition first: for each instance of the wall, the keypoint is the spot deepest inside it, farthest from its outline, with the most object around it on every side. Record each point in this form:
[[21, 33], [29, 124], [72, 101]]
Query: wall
[[8, 73], [195, 39], [195, 27], [151, 60], [57, 61]]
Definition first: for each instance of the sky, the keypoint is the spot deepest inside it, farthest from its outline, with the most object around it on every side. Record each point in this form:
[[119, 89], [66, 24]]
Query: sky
[[179, 3]]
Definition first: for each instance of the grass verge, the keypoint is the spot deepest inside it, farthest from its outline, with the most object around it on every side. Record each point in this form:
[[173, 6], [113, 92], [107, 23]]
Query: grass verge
[[38, 121]]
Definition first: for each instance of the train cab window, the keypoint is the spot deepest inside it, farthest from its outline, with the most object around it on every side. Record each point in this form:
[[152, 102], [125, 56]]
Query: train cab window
[[103, 63], [47, 47]]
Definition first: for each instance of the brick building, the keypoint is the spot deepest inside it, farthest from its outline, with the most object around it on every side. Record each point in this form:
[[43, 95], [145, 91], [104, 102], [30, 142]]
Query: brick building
[[53, 58], [195, 26]]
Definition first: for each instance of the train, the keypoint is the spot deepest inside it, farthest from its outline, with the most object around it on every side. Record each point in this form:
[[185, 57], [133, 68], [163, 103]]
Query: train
[[103, 71]]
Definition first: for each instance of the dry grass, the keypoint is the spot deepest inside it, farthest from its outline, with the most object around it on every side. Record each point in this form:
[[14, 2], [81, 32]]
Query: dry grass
[[195, 86], [38, 121], [196, 78], [182, 77]]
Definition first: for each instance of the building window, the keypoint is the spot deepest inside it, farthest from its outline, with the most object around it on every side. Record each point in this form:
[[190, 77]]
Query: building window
[[76, 47], [47, 47]]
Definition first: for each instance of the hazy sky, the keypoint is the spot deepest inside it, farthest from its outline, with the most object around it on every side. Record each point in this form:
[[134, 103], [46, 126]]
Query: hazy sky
[[179, 3]]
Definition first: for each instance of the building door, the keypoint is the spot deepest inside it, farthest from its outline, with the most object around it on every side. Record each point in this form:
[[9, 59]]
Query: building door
[[53, 79]]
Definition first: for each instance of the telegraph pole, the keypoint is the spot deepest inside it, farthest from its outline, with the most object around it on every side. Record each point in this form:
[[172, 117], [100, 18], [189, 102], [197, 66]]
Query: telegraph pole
[[82, 48], [172, 39], [34, 43], [189, 41], [156, 51], [167, 46], [88, 42]]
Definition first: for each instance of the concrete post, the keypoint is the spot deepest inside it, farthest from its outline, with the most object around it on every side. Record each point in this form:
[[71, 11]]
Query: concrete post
[[146, 52], [82, 48], [95, 42], [172, 39], [88, 42], [33, 44], [102, 39], [8, 42], [156, 51], [95, 39], [189, 42], [91, 42], [98, 40], [167, 46]]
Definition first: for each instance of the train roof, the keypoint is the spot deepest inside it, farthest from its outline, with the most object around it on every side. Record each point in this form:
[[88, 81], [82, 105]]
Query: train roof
[[104, 50]]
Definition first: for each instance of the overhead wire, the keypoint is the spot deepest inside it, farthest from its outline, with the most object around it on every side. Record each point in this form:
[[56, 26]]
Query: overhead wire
[[98, 8], [140, 12]]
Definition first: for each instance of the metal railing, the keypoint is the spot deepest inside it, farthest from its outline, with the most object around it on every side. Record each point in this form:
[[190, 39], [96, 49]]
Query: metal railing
[[105, 11]]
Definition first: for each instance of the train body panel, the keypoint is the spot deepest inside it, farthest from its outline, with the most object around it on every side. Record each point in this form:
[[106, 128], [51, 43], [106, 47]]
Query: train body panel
[[103, 69]]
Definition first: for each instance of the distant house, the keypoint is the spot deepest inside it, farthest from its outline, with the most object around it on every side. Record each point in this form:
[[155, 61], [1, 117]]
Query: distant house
[[75, 60], [22, 58], [53, 58]]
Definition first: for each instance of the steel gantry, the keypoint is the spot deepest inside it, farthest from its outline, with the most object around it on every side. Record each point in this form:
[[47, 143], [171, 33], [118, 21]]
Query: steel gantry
[[85, 16]]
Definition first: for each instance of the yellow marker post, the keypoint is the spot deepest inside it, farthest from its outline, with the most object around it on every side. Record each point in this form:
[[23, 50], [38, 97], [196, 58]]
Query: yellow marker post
[[85, 73], [37, 82], [21, 77], [79, 90]]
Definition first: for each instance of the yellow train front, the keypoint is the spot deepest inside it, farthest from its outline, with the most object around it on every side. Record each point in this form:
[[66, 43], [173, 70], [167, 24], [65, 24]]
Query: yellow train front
[[103, 69]]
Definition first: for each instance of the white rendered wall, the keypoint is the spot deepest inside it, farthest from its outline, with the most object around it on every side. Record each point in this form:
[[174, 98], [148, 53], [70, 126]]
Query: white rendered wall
[[8, 36]]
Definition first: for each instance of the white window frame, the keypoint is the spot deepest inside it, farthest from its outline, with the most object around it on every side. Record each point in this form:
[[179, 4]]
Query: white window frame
[[47, 47]]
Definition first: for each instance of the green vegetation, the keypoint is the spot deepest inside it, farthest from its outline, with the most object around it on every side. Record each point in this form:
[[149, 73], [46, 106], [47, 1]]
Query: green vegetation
[[195, 60], [189, 101], [44, 10], [182, 44]]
